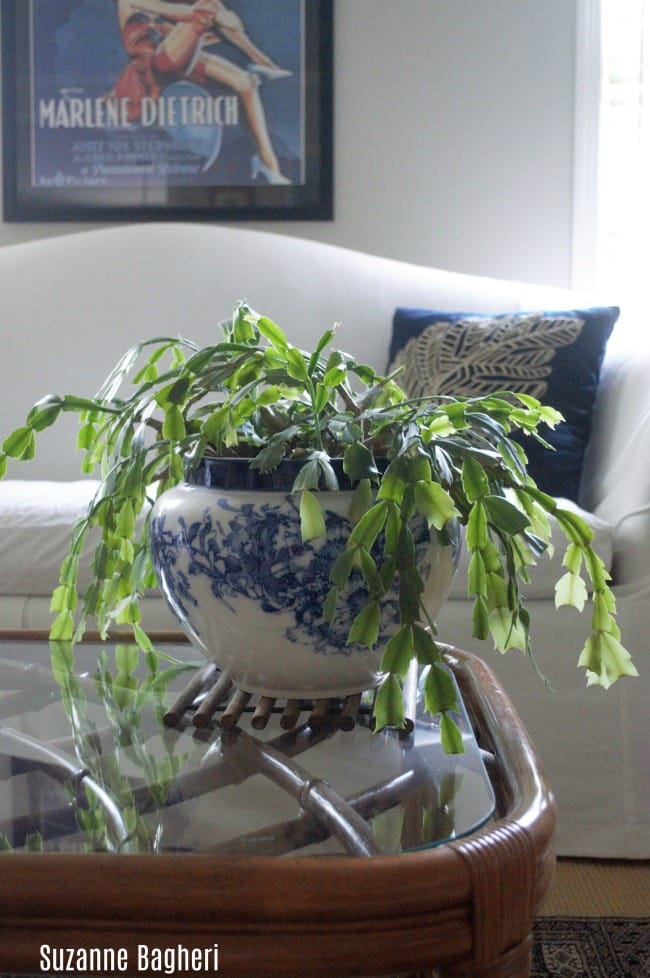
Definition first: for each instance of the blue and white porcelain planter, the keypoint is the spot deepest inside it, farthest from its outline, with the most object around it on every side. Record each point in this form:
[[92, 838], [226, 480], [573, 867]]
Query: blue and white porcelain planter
[[249, 593]]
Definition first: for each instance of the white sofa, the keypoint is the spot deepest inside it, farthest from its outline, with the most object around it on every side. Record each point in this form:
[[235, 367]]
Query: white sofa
[[70, 305]]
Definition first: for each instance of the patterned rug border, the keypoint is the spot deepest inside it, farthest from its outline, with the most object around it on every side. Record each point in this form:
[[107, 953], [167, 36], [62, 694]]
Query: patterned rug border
[[591, 947]]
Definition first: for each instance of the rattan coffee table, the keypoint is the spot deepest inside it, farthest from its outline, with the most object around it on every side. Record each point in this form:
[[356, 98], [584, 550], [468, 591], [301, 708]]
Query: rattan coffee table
[[251, 839]]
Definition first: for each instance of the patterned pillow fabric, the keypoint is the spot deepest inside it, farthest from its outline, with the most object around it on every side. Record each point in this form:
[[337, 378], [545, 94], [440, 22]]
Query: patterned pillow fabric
[[554, 356]]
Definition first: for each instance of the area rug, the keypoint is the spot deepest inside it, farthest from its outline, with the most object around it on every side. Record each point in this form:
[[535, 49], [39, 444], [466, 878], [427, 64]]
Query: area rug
[[591, 947]]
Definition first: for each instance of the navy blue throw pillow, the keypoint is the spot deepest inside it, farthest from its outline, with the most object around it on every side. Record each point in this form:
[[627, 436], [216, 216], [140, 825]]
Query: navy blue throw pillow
[[554, 356]]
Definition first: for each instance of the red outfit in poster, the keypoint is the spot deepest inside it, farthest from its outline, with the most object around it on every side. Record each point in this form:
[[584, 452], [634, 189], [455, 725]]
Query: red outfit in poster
[[165, 40]]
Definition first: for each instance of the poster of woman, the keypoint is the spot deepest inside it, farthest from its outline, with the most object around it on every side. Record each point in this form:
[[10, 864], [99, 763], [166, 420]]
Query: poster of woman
[[168, 105]]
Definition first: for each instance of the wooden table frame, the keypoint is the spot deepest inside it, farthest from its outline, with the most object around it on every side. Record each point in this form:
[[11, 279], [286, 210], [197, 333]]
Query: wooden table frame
[[465, 908]]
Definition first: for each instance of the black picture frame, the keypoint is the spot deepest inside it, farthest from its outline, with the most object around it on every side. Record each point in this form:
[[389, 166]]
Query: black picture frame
[[73, 150]]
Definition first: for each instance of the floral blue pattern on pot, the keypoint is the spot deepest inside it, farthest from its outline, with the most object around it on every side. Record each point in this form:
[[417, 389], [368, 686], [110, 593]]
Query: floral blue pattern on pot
[[255, 552], [249, 592]]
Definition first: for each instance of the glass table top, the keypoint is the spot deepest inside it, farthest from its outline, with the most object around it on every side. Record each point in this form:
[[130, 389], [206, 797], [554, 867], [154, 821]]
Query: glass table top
[[89, 763]]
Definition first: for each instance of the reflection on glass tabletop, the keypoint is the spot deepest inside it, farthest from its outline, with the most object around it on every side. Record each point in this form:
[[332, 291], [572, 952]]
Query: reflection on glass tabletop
[[89, 762]]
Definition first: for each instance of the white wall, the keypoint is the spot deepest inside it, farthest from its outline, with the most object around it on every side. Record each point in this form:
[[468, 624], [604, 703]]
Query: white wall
[[453, 136]]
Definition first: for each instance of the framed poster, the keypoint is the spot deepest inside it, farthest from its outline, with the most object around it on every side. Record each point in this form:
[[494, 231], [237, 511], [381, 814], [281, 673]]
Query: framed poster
[[167, 109]]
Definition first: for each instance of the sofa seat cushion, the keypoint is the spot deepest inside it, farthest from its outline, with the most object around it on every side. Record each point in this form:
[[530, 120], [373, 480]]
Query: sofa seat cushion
[[554, 356], [36, 519]]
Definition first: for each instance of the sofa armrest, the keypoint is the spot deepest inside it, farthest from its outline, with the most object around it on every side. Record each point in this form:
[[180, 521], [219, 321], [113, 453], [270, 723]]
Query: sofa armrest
[[616, 474]]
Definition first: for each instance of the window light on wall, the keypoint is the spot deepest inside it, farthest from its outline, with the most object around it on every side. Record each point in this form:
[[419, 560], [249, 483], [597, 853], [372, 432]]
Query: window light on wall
[[612, 148]]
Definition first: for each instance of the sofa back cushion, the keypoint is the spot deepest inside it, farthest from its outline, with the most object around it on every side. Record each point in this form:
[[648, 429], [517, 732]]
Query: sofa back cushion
[[72, 304]]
